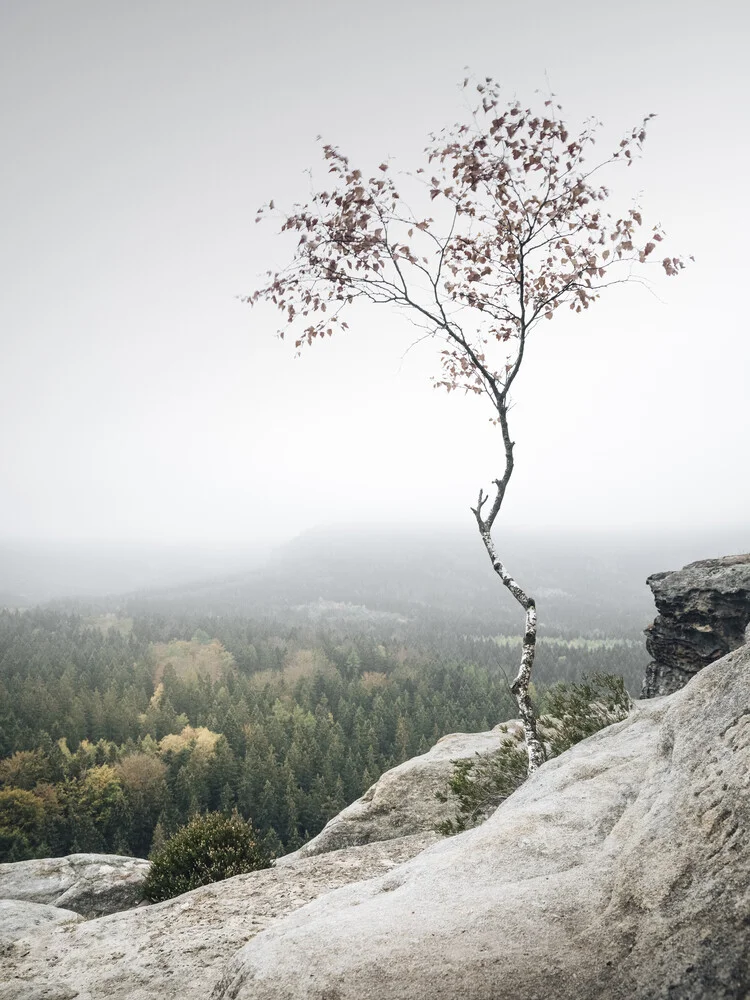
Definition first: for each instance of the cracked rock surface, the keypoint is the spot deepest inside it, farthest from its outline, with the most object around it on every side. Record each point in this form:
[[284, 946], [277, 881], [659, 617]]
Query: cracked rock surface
[[704, 612], [91, 884]]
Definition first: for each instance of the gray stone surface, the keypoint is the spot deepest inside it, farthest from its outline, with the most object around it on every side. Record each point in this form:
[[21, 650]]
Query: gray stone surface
[[621, 869], [403, 800], [19, 919], [91, 884], [179, 948], [704, 612]]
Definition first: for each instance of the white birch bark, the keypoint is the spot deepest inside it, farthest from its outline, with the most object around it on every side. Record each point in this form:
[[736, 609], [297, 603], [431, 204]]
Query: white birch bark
[[522, 682]]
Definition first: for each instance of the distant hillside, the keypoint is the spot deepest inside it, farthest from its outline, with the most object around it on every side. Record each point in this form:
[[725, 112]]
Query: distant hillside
[[35, 572], [584, 584]]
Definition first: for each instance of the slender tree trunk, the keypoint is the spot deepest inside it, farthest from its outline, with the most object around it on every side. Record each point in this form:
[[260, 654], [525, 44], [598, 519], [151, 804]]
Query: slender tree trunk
[[520, 686], [522, 682]]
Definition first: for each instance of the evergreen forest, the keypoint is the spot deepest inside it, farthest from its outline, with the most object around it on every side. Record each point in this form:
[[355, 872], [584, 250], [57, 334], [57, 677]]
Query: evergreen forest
[[117, 725]]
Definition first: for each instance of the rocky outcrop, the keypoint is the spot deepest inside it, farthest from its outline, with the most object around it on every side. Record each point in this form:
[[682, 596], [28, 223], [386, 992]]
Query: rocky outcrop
[[621, 869], [180, 948], [90, 884], [704, 611], [404, 800]]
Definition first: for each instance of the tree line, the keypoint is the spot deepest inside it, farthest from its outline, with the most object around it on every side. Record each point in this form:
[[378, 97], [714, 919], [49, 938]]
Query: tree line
[[114, 732]]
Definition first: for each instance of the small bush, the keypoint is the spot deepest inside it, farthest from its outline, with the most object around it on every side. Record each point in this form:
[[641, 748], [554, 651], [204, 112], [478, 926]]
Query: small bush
[[480, 785], [571, 712], [210, 848]]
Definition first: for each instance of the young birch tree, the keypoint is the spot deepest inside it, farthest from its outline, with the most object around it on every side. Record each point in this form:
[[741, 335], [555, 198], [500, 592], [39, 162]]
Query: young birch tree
[[522, 229]]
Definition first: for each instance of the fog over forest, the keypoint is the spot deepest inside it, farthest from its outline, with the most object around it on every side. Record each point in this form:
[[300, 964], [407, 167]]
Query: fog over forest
[[378, 567]]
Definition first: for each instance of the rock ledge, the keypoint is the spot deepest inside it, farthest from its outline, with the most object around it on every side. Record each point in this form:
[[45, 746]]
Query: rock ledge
[[704, 611]]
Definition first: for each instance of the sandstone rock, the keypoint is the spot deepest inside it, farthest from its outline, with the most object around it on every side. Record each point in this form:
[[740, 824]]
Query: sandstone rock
[[704, 611], [179, 948], [402, 802], [621, 869], [90, 884], [19, 919]]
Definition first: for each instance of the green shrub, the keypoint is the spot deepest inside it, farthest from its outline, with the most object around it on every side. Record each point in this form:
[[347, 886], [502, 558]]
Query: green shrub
[[480, 785], [210, 848], [570, 713]]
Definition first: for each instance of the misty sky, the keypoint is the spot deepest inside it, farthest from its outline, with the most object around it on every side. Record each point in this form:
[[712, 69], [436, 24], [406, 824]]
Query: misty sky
[[142, 401]]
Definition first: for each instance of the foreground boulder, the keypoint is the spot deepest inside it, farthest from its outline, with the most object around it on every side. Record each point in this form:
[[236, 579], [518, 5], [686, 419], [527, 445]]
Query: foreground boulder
[[621, 869], [704, 611], [90, 884], [19, 919], [179, 948], [404, 800]]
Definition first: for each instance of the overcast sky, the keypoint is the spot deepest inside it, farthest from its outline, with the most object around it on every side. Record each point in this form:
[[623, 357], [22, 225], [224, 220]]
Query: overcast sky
[[142, 401]]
